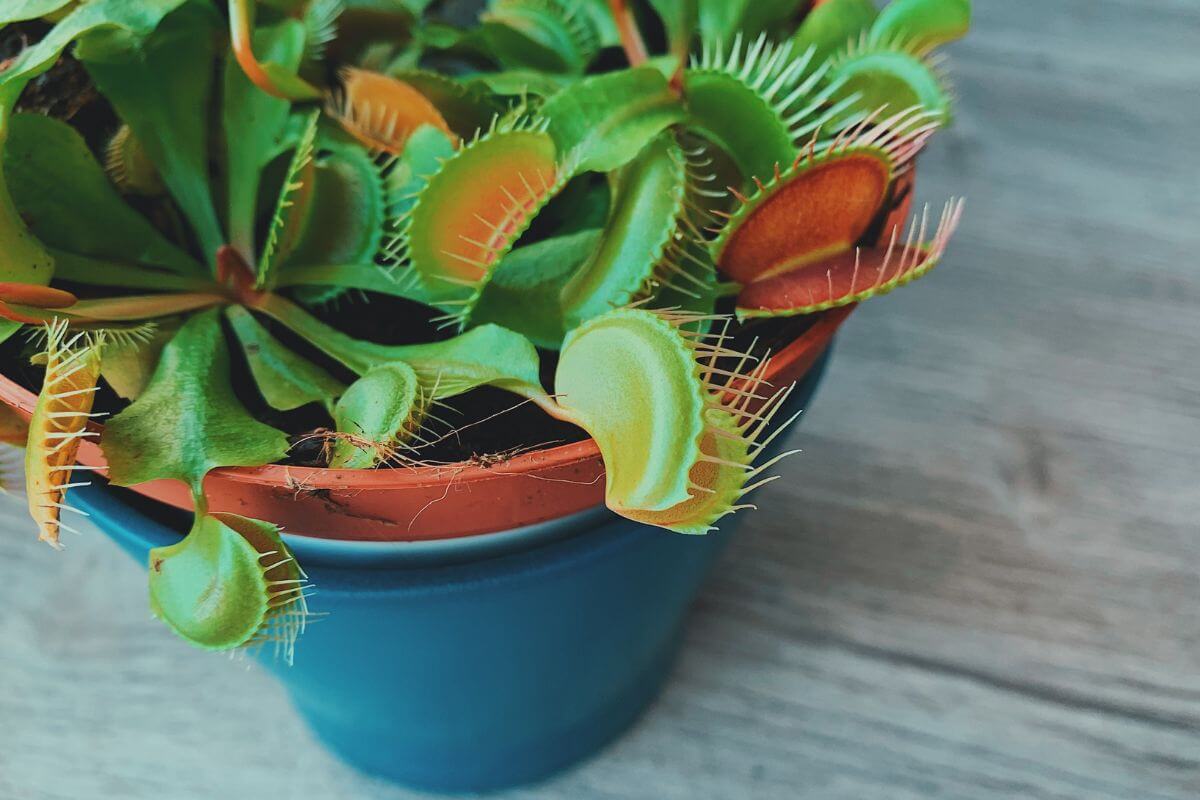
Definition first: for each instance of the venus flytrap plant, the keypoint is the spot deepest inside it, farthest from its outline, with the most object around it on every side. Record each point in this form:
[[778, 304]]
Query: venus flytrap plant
[[616, 220]]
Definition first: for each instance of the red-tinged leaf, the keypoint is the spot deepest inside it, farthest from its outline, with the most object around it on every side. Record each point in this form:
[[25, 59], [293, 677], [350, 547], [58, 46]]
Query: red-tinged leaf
[[851, 276], [142, 307], [27, 294], [817, 209], [26, 302], [383, 112]]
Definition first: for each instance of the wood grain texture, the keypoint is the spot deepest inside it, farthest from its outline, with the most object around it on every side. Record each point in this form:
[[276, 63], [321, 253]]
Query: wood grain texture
[[982, 579]]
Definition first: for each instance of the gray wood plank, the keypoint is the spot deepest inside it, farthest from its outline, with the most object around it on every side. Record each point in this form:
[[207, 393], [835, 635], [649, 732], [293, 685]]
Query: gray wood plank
[[981, 579]]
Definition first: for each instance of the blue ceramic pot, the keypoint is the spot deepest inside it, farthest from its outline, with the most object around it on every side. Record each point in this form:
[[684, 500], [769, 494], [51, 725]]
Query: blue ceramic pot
[[483, 663]]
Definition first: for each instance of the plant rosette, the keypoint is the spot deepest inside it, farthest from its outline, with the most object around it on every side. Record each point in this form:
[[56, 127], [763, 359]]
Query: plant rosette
[[277, 266]]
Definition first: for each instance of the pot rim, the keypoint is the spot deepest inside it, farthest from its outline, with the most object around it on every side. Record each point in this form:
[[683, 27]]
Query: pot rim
[[374, 505]]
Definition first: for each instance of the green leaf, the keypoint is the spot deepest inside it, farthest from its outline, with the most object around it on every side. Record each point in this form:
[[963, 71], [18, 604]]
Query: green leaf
[[124, 20], [22, 10], [922, 25], [188, 420], [485, 356], [128, 365], [680, 18], [525, 293], [365, 277], [286, 380], [254, 124], [644, 220], [423, 155], [161, 90], [70, 204], [289, 83], [548, 35], [520, 82], [379, 410], [603, 122], [832, 26], [582, 205], [7, 328], [102, 272], [694, 287], [25, 260], [677, 453]]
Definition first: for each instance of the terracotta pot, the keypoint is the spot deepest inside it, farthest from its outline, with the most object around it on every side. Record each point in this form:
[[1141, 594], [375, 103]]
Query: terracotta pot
[[422, 504]]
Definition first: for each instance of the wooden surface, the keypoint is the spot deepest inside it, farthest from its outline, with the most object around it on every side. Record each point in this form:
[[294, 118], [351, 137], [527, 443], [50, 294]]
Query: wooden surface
[[981, 580]]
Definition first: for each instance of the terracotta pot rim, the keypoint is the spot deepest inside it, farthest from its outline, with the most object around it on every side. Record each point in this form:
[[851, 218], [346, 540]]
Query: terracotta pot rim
[[23, 400], [330, 502]]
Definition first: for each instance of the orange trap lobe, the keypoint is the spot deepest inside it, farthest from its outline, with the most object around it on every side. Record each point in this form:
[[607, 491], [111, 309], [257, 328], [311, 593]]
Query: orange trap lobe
[[822, 210], [58, 426], [383, 112]]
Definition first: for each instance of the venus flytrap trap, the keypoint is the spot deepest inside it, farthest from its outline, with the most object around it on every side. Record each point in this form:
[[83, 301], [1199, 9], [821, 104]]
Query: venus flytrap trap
[[59, 424], [277, 170], [230, 583], [689, 458], [886, 57]]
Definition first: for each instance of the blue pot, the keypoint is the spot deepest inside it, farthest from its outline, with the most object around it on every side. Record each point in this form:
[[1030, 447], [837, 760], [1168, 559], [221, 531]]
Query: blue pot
[[477, 664]]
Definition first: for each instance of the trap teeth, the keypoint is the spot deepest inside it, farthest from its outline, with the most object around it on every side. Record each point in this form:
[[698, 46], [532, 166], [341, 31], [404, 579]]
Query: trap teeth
[[59, 425]]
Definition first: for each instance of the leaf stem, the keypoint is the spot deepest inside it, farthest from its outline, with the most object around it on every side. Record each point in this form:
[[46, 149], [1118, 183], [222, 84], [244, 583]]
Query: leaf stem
[[199, 499], [241, 30], [631, 37], [357, 355], [141, 307], [547, 403]]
